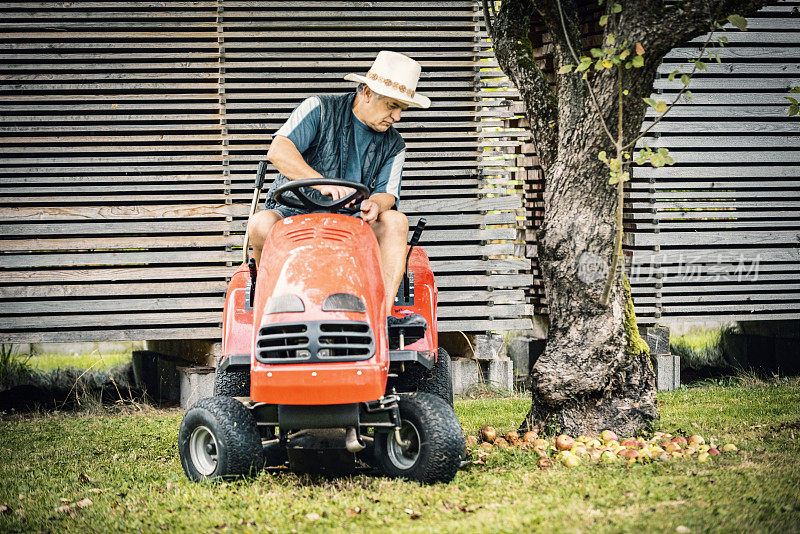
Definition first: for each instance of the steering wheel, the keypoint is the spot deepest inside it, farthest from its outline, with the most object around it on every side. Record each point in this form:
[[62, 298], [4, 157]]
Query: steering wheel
[[303, 201]]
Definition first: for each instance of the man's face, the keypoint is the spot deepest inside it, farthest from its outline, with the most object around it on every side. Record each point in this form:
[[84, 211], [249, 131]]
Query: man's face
[[381, 113]]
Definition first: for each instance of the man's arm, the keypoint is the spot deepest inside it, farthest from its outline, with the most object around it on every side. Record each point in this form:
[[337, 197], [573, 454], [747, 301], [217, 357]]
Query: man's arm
[[287, 159], [375, 205]]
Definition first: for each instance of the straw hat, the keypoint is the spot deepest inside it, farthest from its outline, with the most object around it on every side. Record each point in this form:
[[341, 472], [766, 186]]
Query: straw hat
[[394, 75]]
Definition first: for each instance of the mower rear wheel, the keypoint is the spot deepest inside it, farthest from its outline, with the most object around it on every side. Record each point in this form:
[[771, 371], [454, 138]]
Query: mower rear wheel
[[232, 382], [439, 382], [218, 438], [432, 442]]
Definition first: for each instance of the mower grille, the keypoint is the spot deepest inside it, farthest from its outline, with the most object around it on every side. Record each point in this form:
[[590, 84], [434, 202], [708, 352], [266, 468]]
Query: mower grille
[[315, 341]]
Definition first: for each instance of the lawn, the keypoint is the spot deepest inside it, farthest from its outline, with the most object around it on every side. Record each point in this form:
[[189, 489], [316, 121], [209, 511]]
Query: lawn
[[104, 471]]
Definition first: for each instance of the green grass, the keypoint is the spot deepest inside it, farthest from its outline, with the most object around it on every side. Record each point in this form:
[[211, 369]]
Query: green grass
[[699, 348], [93, 360], [127, 464]]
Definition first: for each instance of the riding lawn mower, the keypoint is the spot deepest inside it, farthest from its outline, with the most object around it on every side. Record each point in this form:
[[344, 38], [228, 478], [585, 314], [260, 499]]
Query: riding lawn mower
[[307, 379]]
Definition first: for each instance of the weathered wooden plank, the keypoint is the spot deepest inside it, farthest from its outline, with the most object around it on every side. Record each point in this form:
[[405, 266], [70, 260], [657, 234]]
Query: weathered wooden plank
[[53, 307], [61, 290], [133, 320], [126, 333], [474, 325], [713, 238], [499, 311]]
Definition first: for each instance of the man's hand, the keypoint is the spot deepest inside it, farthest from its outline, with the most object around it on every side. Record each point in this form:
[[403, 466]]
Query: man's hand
[[369, 210], [334, 191]]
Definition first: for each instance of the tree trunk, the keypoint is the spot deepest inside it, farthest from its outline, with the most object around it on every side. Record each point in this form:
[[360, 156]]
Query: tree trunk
[[595, 372]]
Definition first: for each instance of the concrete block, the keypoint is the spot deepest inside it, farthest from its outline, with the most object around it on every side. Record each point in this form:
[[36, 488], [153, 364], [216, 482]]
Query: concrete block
[[657, 338], [490, 347], [465, 373], [668, 371], [501, 373], [524, 351], [196, 383]]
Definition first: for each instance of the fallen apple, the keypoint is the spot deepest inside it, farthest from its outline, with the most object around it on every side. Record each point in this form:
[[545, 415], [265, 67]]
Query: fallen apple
[[571, 461], [680, 441], [512, 437], [487, 446], [488, 434], [471, 441], [501, 443], [564, 442], [697, 440], [729, 447], [713, 451], [703, 457], [530, 436], [545, 463], [608, 436]]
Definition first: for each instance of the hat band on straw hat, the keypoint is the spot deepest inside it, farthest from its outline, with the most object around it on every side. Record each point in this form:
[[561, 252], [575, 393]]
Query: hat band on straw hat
[[389, 83]]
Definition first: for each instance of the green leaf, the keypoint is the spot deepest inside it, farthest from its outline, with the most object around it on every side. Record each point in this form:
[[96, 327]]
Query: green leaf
[[602, 156], [723, 40], [607, 63], [614, 179], [638, 61], [598, 65], [626, 176], [624, 54], [660, 107], [596, 52], [610, 39], [688, 95], [649, 102], [625, 92], [566, 69], [794, 109], [794, 90], [716, 56], [700, 65], [685, 79], [603, 20], [628, 64], [616, 8], [738, 21], [672, 75]]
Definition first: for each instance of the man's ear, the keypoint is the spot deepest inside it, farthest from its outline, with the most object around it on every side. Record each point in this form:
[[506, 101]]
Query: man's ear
[[367, 93]]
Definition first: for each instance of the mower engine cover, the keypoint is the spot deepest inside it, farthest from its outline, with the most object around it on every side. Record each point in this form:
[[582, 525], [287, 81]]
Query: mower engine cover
[[319, 334]]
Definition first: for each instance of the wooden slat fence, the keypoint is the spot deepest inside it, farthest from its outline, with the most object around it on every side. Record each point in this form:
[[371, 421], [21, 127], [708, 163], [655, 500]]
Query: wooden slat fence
[[131, 132], [717, 235]]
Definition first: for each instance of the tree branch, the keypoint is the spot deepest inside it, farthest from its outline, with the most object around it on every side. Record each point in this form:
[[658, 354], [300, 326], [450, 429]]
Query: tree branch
[[514, 52], [688, 19]]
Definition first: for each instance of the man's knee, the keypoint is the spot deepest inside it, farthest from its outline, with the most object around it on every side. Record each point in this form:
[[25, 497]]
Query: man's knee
[[260, 224], [393, 222]]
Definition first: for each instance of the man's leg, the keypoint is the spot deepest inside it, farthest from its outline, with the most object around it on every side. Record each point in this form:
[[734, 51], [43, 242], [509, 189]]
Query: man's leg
[[258, 229], [391, 229]]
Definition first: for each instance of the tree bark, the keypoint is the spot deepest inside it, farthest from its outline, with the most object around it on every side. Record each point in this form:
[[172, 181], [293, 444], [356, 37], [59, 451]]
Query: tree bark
[[595, 372]]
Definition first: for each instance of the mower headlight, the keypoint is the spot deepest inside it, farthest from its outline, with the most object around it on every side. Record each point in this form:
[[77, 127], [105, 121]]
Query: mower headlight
[[344, 302], [284, 304]]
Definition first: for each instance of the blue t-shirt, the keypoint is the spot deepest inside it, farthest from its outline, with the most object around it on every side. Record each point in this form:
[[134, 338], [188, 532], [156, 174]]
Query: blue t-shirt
[[301, 129]]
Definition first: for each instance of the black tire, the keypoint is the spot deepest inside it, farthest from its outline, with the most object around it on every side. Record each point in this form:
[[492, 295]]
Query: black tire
[[435, 438], [439, 382], [232, 382], [218, 438]]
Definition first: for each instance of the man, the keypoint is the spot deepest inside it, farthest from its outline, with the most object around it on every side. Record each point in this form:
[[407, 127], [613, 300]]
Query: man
[[351, 137]]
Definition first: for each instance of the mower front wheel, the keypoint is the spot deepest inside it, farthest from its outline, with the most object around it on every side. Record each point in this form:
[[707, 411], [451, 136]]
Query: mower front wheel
[[431, 441], [218, 438]]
